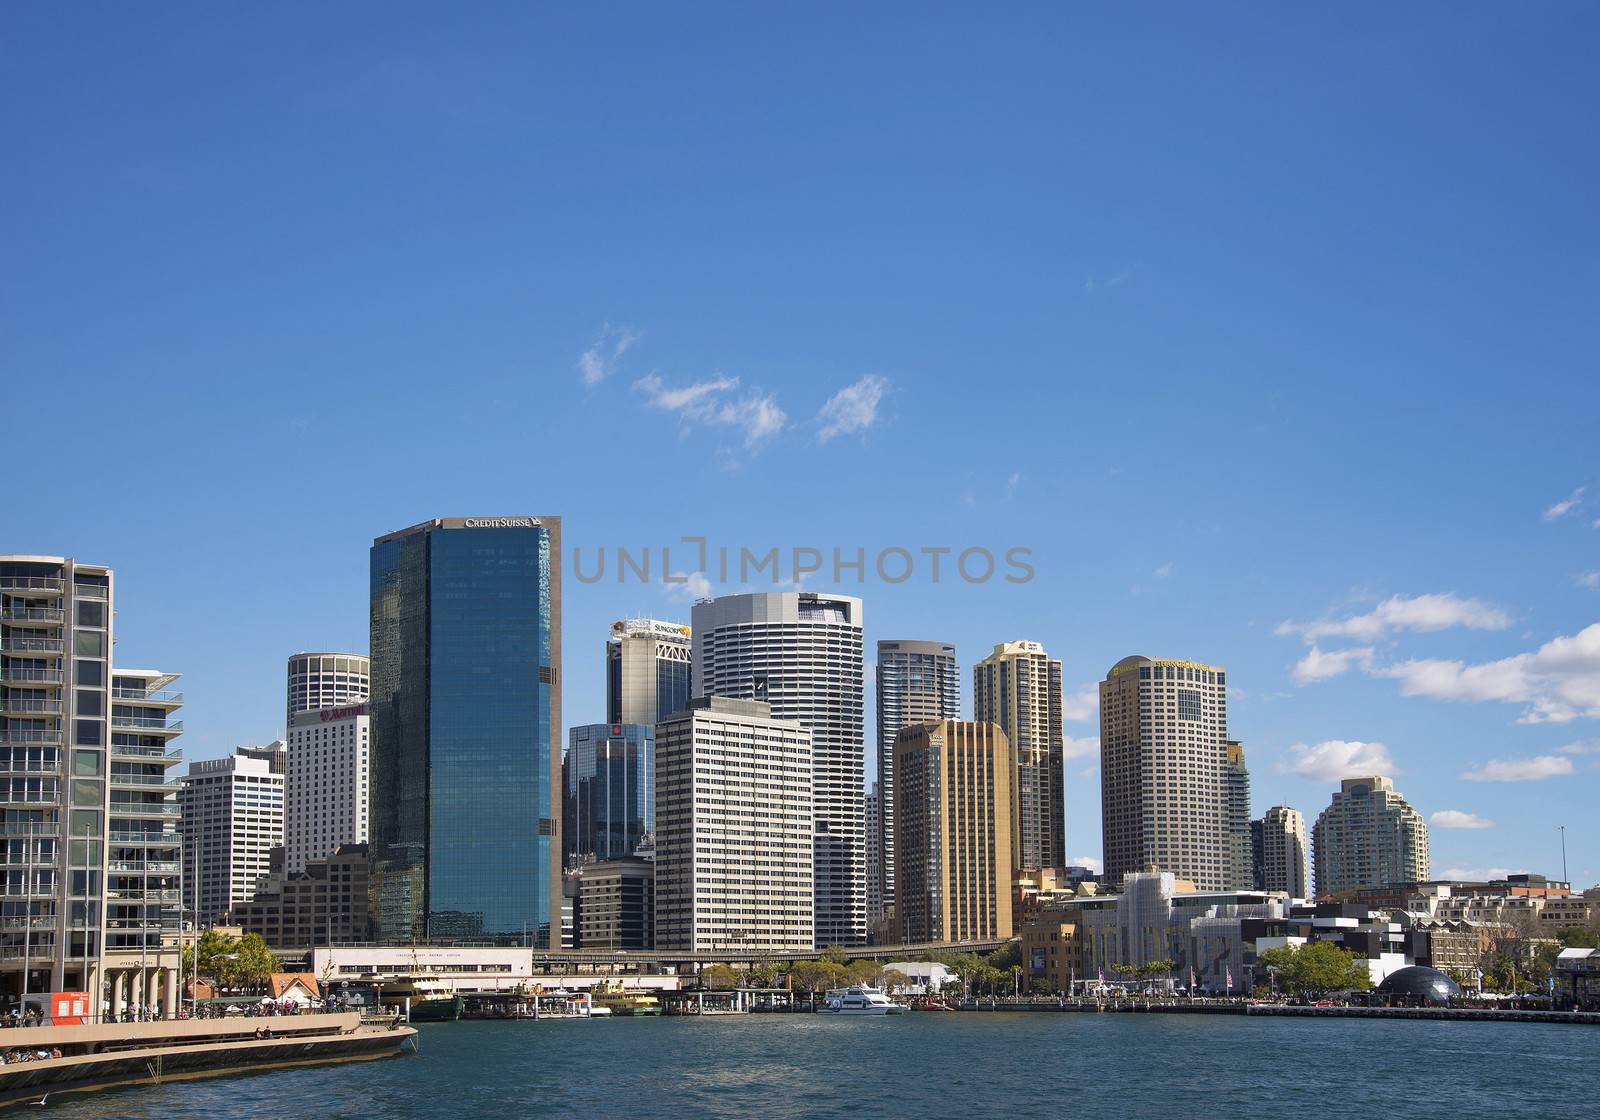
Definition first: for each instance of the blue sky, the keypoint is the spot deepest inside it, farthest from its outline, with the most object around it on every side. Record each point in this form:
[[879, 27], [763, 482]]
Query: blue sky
[[1234, 316]]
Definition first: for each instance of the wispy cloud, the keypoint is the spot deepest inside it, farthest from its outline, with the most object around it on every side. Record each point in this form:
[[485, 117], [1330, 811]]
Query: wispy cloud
[[1164, 571], [1088, 747], [1566, 505], [1093, 863], [1334, 759], [688, 586], [1478, 874], [1558, 682], [1115, 280], [1535, 769], [1590, 747], [1455, 818], [754, 415], [1420, 613], [1317, 665], [1082, 704], [1014, 483], [1591, 580], [597, 363], [852, 409]]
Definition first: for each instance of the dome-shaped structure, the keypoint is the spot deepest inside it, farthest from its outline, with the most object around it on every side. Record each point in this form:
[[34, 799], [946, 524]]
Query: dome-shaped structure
[[1418, 986]]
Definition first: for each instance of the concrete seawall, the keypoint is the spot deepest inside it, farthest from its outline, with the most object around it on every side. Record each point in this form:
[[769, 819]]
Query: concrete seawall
[[110, 1054]]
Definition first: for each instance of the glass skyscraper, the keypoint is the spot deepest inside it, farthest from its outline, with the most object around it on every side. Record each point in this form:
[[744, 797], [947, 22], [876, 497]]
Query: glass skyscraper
[[466, 716], [610, 791]]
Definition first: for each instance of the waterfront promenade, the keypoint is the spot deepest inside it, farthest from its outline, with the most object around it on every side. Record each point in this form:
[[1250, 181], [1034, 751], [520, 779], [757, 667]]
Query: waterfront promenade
[[1241, 1007]]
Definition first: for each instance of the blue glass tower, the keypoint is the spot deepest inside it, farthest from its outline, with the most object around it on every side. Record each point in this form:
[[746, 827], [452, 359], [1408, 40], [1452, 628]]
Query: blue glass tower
[[466, 716], [610, 790]]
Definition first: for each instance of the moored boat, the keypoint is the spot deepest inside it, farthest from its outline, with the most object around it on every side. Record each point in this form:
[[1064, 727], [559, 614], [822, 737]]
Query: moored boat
[[857, 1000]]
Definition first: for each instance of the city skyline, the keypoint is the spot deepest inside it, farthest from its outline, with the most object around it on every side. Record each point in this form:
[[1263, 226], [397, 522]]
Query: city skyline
[[1386, 383]]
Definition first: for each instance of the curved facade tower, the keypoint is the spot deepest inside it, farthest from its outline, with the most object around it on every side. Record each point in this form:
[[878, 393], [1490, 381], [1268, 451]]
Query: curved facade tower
[[326, 680]]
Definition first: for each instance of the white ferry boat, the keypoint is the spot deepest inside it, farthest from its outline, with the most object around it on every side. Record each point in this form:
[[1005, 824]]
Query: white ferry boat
[[857, 1001]]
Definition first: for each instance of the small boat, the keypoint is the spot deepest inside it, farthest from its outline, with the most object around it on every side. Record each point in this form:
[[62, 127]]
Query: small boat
[[596, 1012], [857, 1001]]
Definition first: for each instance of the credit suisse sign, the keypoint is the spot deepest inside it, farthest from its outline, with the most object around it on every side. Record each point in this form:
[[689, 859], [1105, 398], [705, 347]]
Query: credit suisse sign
[[500, 522]]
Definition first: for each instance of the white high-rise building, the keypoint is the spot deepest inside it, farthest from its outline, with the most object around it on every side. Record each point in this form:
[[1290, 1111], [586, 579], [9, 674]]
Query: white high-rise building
[[327, 680], [802, 653], [917, 682], [1284, 862], [733, 830], [232, 819], [325, 783], [1370, 836], [1163, 748]]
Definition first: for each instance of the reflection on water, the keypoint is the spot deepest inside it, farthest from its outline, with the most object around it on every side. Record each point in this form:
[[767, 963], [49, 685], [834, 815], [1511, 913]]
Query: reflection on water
[[924, 1066]]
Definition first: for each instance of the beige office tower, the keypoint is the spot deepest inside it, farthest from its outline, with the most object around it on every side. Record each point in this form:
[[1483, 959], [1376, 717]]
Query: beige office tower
[[88, 811], [1284, 851], [733, 855], [1368, 837], [1163, 747], [647, 670], [952, 788], [1018, 688]]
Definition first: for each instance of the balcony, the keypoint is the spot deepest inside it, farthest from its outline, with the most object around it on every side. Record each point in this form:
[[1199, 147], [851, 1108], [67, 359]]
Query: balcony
[[17, 706], [30, 828], [145, 839], [32, 616], [146, 754], [17, 737], [142, 896], [157, 698], [17, 675], [32, 585], [90, 591], [152, 866], [145, 809], [146, 725], [144, 781], [31, 646], [15, 766]]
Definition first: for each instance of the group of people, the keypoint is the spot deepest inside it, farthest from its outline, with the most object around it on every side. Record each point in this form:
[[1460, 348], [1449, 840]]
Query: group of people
[[140, 1014], [32, 1017], [11, 1057]]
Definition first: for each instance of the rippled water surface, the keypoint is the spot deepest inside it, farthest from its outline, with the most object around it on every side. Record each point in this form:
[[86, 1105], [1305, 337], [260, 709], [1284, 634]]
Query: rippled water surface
[[925, 1066]]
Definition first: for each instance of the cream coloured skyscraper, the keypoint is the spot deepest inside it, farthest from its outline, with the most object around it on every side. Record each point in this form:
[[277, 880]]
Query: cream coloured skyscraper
[[1018, 688], [801, 652], [954, 874], [1368, 837], [647, 670], [1284, 864], [325, 783], [1163, 747], [327, 680]]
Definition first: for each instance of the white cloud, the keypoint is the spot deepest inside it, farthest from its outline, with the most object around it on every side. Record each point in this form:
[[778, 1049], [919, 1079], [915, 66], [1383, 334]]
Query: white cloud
[[1455, 818], [755, 415], [1534, 769], [1591, 580], [1082, 705], [689, 586], [1319, 666], [1081, 748], [1477, 874], [1559, 682], [1093, 863], [1590, 747], [852, 409], [596, 363], [1566, 505], [1339, 758], [1421, 613], [1014, 483], [1164, 571]]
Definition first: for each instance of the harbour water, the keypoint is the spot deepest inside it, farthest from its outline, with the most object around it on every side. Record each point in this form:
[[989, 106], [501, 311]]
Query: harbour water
[[921, 1065]]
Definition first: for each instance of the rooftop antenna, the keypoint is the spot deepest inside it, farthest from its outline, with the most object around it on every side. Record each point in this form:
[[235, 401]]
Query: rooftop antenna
[[1563, 830]]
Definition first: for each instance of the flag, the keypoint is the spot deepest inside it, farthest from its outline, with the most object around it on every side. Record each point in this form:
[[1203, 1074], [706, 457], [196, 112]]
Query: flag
[[1230, 978]]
